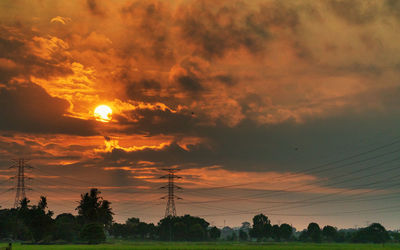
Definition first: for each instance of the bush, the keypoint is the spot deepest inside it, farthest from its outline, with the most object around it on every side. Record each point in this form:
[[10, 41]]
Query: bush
[[93, 233]]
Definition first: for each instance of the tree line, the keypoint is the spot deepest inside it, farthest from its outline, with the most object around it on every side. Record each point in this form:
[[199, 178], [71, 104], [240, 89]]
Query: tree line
[[94, 223]]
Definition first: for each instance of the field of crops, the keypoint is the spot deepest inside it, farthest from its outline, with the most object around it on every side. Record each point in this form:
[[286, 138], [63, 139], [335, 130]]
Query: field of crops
[[202, 245]]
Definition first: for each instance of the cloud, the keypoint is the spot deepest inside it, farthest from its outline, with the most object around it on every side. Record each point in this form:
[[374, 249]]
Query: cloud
[[356, 12], [29, 108], [214, 29], [146, 90], [61, 20], [94, 8], [33, 55]]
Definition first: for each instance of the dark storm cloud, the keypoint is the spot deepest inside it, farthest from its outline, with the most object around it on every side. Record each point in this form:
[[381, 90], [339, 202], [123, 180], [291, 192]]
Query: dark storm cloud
[[149, 30], [29, 108], [226, 79], [25, 147], [32, 55], [202, 28], [10, 49], [362, 12], [173, 154], [94, 8], [146, 90], [190, 83], [284, 147], [216, 28], [156, 122], [16, 149], [356, 11]]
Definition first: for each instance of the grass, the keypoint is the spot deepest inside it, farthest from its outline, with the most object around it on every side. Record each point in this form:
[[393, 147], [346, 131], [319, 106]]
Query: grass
[[207, 245]]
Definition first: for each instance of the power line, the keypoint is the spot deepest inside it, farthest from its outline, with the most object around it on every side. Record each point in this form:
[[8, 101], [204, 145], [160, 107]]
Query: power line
[[306, 200], [375, 210], [71, 178], [396, 141], [274, 192], [331, 194], [348, 189]]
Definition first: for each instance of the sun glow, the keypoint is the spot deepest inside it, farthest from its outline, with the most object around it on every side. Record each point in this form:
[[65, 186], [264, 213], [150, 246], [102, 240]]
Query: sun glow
[[103, 113]]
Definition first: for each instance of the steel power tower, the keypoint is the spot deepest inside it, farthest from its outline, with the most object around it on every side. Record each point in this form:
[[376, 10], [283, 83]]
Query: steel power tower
[[170, 210], [20, 165]]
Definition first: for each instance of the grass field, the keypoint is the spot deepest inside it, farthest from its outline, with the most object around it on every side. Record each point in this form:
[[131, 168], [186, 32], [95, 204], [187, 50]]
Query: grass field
[[202, 245]]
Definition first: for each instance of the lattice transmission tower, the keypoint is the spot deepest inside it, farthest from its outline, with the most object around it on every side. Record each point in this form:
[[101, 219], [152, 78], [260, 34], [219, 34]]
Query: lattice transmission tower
[[170, 210], [20, 165]]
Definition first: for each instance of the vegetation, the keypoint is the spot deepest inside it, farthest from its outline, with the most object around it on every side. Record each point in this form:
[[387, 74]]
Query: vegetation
[[214, 245], [94, 225]]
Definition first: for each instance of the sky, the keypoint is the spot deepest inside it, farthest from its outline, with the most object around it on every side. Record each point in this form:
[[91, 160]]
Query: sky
[[287, 108]]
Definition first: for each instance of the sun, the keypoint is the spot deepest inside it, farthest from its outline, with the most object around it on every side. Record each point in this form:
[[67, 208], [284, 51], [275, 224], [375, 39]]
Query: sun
[[103, 113]]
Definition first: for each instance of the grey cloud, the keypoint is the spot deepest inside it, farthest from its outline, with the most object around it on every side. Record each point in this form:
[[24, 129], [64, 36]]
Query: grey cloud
[[146, 90], [149, 21], [94, 8], [356, 11], [28, 108], [190, 83], [155, 122], [17, 49]]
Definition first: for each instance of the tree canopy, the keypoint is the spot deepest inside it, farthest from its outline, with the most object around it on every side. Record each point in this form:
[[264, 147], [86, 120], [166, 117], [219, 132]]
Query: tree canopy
[[93, 208], [261, 227]]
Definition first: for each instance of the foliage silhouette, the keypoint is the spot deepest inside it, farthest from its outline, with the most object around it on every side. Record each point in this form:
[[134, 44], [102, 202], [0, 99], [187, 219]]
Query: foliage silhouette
[[261, 227], [94, 209], [93, 233]]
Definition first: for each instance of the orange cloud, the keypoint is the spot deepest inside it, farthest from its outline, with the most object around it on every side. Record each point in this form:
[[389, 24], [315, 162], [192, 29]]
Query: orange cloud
[[61, 20]]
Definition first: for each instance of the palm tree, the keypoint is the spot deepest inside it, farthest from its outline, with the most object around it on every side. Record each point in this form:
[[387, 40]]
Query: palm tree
[[93, 208]]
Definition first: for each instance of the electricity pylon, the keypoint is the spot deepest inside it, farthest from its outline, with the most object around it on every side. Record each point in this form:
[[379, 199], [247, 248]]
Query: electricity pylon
[[170, 210], [20, 188]]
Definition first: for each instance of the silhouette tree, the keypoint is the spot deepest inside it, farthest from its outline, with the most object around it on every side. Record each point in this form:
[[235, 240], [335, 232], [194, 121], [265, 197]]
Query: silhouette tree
[[374, 233], [132, 225], [37, 220], [182, 228], [329, 233], [196, 232], [119, 230], [66, 228], [304, 236], [314, 232], [94, 209], [133, 228], [243, 235], [275, 232], [261, 227], [93, 233], [215, 233], [286, 231], [144, 230]]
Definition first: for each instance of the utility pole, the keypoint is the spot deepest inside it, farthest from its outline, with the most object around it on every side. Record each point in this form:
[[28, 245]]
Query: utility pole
[[170, 210], [20, 165]]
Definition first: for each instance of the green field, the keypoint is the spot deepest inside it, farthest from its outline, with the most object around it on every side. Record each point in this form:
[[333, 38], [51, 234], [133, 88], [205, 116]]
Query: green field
[[202, 245]]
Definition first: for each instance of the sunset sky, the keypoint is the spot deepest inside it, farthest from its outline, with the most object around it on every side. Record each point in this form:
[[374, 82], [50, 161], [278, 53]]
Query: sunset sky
[[289, 108]]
